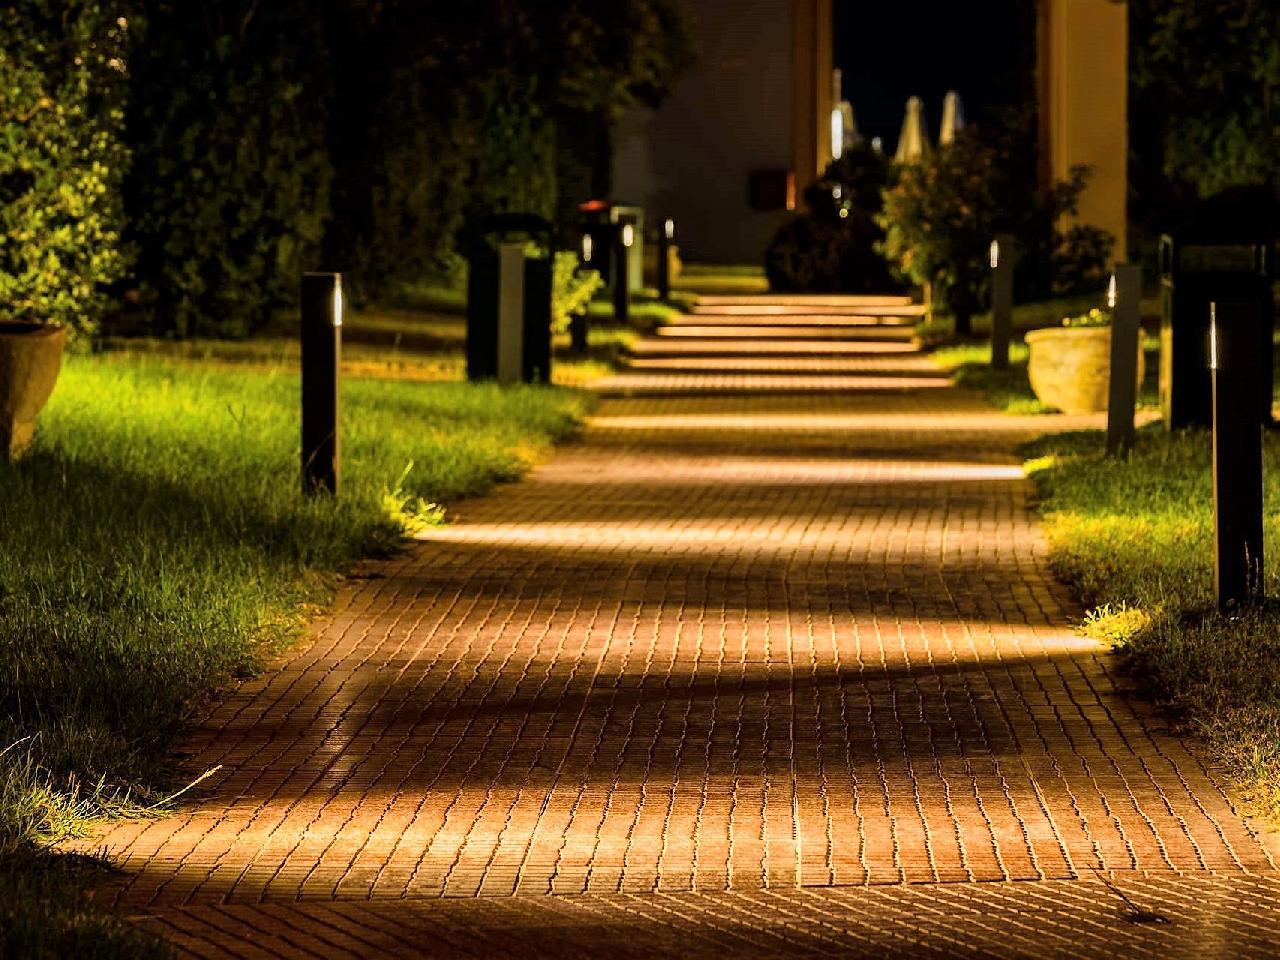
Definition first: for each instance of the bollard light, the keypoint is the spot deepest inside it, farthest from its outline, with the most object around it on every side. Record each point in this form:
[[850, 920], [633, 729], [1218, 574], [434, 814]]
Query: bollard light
[[664, 258], [837, 133], [1002, 255], [669, 228], [588, 244], [1124, 292], [322, 304], [623, 240], [1237, 373]]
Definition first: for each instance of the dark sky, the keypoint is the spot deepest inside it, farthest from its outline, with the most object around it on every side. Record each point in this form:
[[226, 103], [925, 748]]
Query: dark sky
[[892, 49]]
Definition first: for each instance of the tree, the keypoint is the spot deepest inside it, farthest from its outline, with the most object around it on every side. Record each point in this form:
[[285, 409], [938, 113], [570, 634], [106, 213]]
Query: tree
[[61, 159], [943, 211], [229, 190], [1206, 82]]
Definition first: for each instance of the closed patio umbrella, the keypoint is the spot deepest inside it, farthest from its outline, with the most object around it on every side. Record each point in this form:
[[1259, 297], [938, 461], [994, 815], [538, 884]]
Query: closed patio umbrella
[[952, 118], [913, 141]]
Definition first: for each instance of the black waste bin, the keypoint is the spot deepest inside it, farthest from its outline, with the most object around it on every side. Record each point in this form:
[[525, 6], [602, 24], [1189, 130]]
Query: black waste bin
[[484, 295], [1226, 252]]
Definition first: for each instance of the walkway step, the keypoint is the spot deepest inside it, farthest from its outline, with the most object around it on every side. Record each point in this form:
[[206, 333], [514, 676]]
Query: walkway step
[[765, 334], [833, 321], [807, 301], [751, 308]]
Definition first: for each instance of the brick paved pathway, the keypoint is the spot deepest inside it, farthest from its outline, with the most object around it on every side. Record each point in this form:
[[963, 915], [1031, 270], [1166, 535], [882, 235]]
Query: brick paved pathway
[[768, 664]]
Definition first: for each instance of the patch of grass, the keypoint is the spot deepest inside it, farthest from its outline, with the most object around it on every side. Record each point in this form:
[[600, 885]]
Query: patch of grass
[[1135, 539], [155, 544], [1009, 389]]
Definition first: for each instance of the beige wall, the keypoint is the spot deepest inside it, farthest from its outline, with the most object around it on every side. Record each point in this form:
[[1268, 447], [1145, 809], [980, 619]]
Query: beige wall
[[814, 49], [737, 110], [1084, 104]]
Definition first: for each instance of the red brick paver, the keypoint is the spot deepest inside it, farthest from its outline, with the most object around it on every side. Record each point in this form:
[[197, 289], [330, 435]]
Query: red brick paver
[[768, 663]]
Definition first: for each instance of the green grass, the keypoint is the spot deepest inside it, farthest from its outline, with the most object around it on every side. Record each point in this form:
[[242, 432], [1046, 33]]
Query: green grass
[[1009, 389], [154, 545], [1135, 539]]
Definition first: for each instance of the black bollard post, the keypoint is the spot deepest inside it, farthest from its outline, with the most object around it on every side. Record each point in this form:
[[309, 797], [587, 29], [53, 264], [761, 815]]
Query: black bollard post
[[1237, 370], [665, 237], [1002, 261], [622, 273], [1124, 296], [321, 359], [578, 333]]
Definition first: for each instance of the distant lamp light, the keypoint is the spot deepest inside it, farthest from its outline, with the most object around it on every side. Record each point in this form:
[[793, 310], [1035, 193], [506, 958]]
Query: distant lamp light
[[628, 235], [337, 301], [837, 192], [669, 228], [844, 213], [877, 144], [588, 245], [837, 133], [1111, 292], [994, 254]]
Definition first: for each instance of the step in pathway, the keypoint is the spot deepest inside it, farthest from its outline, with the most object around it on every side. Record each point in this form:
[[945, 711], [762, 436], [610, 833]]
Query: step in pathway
[[769, 662]]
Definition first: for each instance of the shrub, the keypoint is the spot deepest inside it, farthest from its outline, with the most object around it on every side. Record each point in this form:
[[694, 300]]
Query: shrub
[[230, 184], [61, 73], [943, 211], [832, 247], [571, 289]]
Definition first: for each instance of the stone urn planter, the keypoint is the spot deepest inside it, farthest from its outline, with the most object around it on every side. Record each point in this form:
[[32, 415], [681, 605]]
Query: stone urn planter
[[30, 360], [1070, 367]]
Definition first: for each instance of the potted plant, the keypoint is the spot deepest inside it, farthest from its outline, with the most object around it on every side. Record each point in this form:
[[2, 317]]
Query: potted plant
[[60, 121], [1070, 365]]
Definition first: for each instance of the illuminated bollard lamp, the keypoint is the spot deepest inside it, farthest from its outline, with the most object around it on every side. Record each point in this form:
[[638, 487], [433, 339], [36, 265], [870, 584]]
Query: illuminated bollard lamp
[[1124, 295], [625, 238], [578, 324], [1003, 256], [321, 361], [665, 236], [1238, 370]]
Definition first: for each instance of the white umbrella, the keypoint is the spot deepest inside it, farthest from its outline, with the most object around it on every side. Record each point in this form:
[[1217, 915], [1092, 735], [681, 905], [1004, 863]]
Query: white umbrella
[[952, 118], [913, 141]]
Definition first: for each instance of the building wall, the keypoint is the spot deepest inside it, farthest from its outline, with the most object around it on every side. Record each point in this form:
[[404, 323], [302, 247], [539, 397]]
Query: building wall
[[733, 112], [1084, 74]]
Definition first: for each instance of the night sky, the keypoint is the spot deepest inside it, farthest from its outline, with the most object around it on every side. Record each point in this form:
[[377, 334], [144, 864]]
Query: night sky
[[892, 49]]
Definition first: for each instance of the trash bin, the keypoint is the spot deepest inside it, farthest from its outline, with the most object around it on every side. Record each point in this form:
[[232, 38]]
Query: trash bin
[[601, 219], [509, 299], [1226, 252]]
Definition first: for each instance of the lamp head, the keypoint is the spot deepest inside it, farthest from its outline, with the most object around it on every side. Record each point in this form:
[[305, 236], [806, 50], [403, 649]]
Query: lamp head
[[994, 254], [1112, 292], [628, 235], [588, 245]]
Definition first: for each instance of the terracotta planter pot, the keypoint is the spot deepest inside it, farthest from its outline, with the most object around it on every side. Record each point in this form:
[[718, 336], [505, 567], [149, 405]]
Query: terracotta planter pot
[[30, 360], [1070, 367]]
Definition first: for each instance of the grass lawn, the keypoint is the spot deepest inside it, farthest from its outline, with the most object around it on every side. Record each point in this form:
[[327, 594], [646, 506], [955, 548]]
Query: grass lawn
[[155, 545], [1135, 539]]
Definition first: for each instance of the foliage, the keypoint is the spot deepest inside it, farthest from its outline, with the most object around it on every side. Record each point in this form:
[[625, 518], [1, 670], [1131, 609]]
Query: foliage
[[445, 113], [61, 160], [1135, 538], [571, 289], [832, 247], [1093, 318], [1215, 125], [943, 211], [229, 189]]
